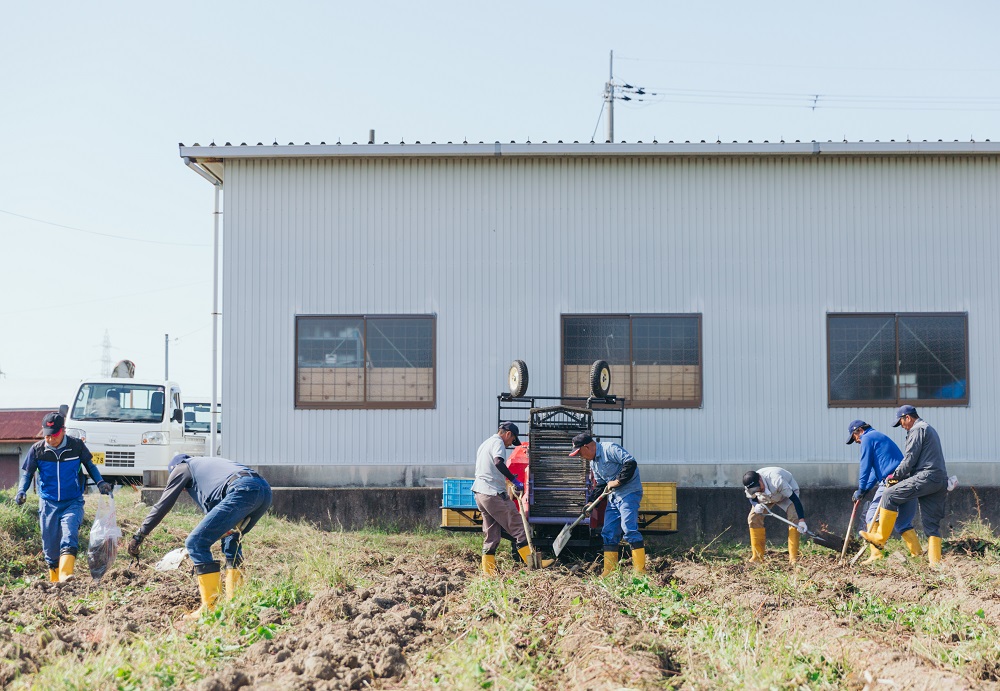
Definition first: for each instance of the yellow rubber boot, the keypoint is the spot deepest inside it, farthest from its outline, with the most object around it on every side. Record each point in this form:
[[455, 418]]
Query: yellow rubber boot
[[639, 559], [210, 587], [234, 579], [526, 555], [913, 542], [793, 545], [886, 522], [934, 550], [874, 552], [67, 562], [757, 539], [610, 563], [490, 565], [54, 575]]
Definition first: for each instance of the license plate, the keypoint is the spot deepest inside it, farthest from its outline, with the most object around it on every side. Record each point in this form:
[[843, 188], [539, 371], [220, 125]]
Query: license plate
[[98, 457]]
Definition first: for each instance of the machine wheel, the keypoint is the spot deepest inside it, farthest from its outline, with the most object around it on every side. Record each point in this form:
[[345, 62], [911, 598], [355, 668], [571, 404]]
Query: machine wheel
[[600, 379], [517, 378]]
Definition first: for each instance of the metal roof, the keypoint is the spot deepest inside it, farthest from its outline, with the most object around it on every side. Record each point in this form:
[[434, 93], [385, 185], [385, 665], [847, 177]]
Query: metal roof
[[22, 424], [209, 161]]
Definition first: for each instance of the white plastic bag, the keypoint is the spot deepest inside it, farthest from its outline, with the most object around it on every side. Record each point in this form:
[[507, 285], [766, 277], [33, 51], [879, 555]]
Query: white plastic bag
[[104, 534], [172, 559]]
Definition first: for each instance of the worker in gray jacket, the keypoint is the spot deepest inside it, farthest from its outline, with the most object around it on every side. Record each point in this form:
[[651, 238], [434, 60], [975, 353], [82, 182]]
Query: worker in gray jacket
[[768, 489], [233, 498], [920, 475]]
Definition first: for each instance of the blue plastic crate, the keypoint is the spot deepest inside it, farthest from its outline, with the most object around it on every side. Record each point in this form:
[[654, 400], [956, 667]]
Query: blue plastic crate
[[457, 493]]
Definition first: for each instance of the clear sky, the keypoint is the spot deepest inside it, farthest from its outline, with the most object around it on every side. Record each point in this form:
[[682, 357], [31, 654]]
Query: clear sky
[[104, 230]]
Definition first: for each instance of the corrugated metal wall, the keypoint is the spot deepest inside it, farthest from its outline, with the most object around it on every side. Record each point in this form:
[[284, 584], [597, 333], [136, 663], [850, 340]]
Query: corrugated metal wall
[[499, 248]]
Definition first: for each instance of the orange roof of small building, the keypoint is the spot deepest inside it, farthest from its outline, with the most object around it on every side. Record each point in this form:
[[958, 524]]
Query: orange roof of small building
[[22, 424]]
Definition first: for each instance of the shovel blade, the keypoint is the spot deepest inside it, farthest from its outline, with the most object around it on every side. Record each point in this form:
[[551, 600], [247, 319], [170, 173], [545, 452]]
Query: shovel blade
[[562, 539], [825, 539]]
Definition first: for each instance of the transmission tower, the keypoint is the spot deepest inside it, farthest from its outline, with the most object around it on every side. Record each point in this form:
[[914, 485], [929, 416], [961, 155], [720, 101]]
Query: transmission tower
[[106, 355]]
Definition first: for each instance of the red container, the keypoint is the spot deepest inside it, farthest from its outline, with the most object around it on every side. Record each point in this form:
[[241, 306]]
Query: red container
[[518, 465]]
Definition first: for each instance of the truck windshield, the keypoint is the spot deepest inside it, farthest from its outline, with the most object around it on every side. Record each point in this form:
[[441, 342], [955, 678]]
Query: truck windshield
[[198, 418], [122, 402]]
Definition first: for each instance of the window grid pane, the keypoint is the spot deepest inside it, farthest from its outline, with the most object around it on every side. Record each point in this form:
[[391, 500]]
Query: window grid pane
[[932, 357], [862, 358], [357, 361]]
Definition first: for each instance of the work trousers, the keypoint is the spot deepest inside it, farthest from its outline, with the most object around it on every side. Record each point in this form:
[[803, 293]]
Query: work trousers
[[622, 517], [246, 497], [930, 488], [60, 523], [756, 520], [499, 512], [904, 521]]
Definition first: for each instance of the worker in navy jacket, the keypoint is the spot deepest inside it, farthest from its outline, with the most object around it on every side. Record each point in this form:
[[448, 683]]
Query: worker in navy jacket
[[57, 460], [879, 457]]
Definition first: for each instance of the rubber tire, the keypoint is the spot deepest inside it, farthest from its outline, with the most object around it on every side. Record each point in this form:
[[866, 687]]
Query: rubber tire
[[600, 379], [517, 378]]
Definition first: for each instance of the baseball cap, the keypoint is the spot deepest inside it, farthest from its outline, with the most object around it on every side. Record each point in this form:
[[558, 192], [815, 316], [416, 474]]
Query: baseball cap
[[852, 428], [52, 423], [176, 461], [904, 410], [511, 427], [579, 441]]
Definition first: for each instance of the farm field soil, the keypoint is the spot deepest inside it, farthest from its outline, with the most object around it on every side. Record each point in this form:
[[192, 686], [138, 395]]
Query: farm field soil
[[340, 610]]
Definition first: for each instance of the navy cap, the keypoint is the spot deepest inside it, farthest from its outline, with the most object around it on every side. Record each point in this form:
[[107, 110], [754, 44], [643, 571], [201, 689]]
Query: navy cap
[[579, 441], [176, 461], [511, 427], [852, 428], [51, 424], [904, 410]]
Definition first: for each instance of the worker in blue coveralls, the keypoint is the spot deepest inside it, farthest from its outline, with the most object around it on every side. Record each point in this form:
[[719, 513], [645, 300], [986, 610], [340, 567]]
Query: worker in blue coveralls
[[233, 498], [921, 475], [879, 457], [616, 469], [57, 459]]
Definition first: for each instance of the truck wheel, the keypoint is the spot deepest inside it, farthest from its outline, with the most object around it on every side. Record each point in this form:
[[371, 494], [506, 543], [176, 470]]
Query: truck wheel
[[517, 378], [600, 379]]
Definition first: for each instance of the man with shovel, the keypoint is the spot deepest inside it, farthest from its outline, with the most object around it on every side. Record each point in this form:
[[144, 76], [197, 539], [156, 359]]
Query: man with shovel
[[921, 475], [879, 457], [766, 489], [490, 492], [615, 469]]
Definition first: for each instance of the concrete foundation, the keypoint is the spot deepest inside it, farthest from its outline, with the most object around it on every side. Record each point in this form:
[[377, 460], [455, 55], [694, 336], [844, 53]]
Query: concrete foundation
[[704, 513]]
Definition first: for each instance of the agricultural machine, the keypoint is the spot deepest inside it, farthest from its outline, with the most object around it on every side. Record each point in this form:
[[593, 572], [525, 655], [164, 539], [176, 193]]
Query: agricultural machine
[[557, 484]]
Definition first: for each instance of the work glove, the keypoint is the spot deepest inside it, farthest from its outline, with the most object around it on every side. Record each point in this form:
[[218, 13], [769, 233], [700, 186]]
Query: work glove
[[857, 495], [518, 486], [759, 509], [802, 527], [105, 487], [20, 498], [134, 544], [891, 480]]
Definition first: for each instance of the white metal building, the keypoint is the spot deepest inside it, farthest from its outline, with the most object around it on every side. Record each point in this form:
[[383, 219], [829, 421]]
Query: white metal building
[[752, 299]]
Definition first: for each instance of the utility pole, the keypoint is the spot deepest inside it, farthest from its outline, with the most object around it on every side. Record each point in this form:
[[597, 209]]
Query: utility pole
[[166, 356], [106, 355], [609, 96]]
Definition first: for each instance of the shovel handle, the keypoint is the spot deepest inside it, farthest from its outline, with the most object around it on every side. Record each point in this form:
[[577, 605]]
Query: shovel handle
[[850, 527]]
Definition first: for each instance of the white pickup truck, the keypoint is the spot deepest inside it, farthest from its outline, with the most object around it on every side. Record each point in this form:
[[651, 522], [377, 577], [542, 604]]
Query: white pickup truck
[[131, 425], [198, 419]]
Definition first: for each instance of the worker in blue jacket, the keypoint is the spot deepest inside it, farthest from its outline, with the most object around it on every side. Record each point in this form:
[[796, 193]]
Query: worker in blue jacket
[[616, 469], [57, 459], [879, 458]]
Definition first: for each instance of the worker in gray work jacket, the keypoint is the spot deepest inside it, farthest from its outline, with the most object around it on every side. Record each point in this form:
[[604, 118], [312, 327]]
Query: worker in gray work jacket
[[921, 475], [233, 498], [768, 489]]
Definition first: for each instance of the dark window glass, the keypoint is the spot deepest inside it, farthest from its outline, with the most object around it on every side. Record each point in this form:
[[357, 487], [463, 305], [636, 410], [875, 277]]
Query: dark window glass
[[889, 359], [655, 359]]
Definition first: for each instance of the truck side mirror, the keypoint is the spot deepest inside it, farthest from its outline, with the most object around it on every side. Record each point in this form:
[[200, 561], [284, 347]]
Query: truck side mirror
[[63, 409], [178, 415]]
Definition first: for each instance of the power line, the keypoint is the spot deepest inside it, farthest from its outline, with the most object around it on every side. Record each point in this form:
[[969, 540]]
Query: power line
[[802, 66], [106, 235]]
